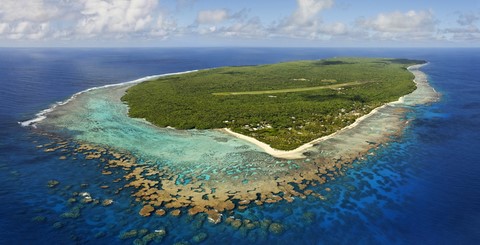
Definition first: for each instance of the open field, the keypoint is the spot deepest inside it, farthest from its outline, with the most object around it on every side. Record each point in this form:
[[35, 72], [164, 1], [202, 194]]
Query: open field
[[289, 90]]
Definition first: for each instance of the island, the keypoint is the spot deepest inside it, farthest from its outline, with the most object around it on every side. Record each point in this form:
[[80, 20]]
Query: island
[[350, 107], [283, 105]]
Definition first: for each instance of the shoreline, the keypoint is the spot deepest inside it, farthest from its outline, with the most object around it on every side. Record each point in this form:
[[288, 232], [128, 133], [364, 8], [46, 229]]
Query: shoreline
[[42, 115], [291, 154], [298, 152]]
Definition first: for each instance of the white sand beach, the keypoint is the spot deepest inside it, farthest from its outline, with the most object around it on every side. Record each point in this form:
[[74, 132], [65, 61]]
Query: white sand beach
[[298, 152]]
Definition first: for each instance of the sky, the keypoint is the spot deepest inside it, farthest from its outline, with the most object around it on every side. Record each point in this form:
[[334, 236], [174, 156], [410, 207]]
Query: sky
[[239, 23]]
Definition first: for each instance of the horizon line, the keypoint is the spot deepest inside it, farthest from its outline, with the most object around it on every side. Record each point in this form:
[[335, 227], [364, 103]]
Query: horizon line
[[211, 47]]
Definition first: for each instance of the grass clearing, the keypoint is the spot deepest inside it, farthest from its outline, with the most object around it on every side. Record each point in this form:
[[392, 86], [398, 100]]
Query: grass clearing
[[290, 90]]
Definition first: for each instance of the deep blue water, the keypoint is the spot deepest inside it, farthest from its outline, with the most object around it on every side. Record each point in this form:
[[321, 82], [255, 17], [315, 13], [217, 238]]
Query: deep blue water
[[423, 188]]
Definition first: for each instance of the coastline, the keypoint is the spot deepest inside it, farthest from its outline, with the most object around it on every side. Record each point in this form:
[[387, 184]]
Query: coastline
[[298, 152], [234, 168], [40, 116]]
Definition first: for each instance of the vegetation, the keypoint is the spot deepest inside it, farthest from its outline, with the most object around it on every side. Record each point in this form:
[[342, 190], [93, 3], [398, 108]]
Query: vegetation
[[289, 90], [284, 105]]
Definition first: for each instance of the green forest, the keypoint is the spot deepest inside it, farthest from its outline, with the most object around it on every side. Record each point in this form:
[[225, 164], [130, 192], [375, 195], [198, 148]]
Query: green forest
[[284, 105]]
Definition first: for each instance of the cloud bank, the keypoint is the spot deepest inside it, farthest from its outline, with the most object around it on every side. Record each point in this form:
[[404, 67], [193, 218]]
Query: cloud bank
[[83, 19], [79, 20]]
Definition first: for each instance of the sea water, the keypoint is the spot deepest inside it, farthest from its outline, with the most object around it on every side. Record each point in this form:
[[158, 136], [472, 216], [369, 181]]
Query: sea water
[[421, 188]]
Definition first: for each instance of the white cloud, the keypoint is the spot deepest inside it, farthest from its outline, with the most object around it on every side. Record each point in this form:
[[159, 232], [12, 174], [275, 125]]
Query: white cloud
[[115, 16], [308, 10], [245, 29], [3, 28], [464, 33], [83, 19], [148, 19], [400, 26], [398, 22], [467, 31], [212, 16], [26, 19], [336, 28], [225, 23], [28, 30], [22, 27], [27, 10], [163, 27], [306, 22]]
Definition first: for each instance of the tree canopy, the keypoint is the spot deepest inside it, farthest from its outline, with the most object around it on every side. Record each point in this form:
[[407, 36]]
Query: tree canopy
[[284, 105]]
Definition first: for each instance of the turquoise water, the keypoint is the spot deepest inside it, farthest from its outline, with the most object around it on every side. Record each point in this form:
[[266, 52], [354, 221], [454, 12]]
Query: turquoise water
[[99, 117]]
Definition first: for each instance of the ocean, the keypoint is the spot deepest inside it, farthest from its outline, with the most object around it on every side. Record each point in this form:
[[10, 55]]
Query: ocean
[[420, 188]]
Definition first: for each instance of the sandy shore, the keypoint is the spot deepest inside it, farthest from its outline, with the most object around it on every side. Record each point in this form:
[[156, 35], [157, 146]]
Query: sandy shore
[[298, 152]]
